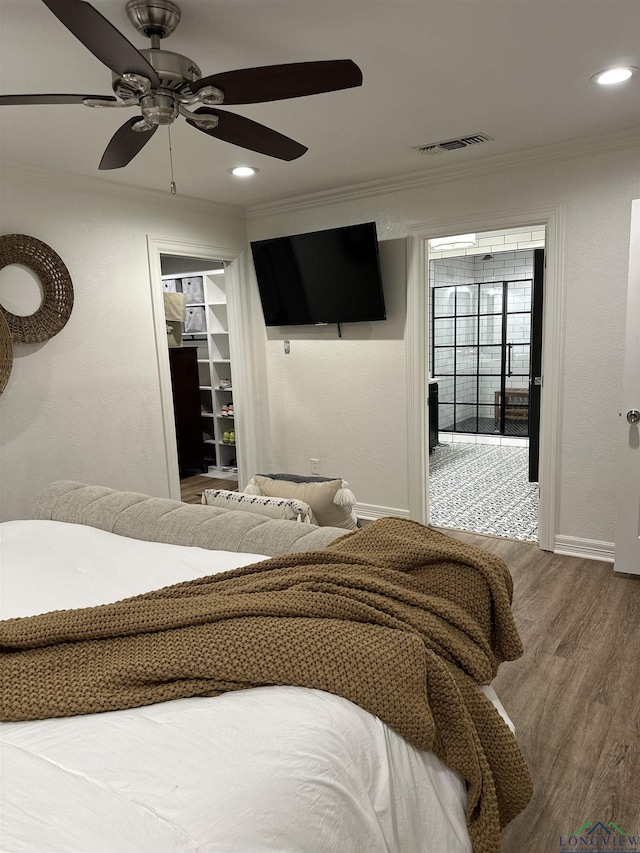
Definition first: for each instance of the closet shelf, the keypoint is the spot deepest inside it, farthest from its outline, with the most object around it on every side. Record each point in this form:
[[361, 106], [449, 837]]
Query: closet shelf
[[214, 343]]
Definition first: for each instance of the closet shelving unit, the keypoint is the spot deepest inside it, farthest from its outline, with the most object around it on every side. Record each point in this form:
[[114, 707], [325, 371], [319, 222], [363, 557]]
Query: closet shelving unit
[[214, 371]]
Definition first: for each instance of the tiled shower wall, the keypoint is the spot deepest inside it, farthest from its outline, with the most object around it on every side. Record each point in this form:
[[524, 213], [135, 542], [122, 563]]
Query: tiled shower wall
[[498, 241], [470, 268]]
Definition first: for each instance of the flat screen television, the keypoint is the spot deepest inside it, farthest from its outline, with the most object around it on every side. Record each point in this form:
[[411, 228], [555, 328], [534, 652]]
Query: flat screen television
[[322, 277]]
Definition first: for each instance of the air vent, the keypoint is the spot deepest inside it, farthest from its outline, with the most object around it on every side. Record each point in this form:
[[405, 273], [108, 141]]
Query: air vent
[[453, 144]]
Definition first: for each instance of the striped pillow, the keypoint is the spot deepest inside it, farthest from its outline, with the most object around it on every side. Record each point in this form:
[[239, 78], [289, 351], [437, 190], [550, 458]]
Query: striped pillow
[[290, 509]]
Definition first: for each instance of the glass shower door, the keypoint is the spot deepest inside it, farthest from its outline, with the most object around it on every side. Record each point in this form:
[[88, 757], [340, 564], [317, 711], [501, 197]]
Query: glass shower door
[[466, 358], [514, 410], [481, 342], [443, 353], [491, 346]]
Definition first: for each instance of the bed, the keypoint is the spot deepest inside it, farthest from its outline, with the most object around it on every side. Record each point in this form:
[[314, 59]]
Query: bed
[[272, 768]]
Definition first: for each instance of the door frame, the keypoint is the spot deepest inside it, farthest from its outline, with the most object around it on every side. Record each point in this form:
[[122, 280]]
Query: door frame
[[552, 218], [627, 541], [535, 369], [239, 319]]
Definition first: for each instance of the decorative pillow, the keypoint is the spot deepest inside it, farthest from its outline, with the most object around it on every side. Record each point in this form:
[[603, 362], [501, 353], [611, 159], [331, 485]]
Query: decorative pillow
[[330, 500], [303, 478], [291, 510]]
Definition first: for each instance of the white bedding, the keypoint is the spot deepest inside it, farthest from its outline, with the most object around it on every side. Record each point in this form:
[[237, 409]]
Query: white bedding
[[283, 769]]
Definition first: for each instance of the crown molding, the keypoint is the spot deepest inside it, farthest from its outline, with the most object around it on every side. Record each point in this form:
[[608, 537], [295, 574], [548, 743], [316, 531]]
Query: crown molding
[[112, 189], [603, 143]]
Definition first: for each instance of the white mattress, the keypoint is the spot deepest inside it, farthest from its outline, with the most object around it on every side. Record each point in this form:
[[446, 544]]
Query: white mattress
[[267, 769]]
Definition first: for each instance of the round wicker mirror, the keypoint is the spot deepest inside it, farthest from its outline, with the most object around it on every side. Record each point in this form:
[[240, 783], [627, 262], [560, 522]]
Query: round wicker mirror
[[55, 310]]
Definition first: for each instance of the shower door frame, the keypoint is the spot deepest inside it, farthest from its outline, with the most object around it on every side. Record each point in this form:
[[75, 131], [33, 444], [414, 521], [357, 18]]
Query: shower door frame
[[552, 219], [505, 357]]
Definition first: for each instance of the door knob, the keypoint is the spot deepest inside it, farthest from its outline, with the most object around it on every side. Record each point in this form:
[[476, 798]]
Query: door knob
[[633, 416]]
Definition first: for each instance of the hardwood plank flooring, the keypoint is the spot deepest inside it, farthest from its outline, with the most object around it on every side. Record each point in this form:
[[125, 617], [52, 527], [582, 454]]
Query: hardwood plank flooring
[[575, 694], [191, 488]]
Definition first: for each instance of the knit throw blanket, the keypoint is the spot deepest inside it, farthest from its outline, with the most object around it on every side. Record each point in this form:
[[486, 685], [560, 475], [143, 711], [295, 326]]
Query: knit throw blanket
[[399, 618]]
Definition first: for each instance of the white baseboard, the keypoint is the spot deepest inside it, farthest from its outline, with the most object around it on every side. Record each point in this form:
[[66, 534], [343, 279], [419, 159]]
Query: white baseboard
[[569, 546], [588, 549], [371, 511]]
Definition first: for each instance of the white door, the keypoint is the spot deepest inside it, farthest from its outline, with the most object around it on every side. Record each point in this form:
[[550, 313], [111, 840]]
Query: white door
[[627, 553]]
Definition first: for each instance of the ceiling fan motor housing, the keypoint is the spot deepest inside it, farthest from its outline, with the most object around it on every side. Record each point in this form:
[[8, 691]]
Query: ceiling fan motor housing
[[175, 71]]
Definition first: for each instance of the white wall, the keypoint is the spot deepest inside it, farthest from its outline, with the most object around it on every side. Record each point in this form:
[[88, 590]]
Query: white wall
[[86, 404], [326, 396], [345, 401]]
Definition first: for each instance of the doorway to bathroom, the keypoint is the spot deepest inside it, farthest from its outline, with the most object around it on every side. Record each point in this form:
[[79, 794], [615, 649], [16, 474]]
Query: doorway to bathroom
[[485, 345]]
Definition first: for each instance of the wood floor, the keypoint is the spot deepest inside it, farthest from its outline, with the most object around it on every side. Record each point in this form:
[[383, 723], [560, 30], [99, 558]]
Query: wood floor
[[191, 488], [575, 694]]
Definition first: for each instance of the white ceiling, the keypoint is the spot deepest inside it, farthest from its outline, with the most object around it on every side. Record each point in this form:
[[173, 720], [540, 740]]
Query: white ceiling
[[517, 70]]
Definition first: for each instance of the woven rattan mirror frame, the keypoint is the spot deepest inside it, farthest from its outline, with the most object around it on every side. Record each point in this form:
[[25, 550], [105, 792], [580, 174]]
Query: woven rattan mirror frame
[[6, 353], [52, 315]]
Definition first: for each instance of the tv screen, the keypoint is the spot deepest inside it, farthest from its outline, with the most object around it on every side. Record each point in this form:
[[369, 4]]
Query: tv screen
[[328, 276]]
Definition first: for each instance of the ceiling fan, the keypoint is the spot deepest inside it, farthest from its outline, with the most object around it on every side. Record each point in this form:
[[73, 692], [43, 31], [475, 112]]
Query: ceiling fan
[[165, 84]]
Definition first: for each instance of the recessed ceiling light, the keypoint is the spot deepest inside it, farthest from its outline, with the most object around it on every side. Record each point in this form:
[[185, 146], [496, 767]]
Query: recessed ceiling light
[[614, 75], [243, 171]]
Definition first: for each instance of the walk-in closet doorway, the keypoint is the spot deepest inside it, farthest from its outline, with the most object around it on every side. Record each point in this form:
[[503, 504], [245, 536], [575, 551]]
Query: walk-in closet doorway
[[169, 254]]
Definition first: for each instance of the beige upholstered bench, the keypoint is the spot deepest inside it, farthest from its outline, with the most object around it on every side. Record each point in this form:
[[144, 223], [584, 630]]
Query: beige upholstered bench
[[140, 516]]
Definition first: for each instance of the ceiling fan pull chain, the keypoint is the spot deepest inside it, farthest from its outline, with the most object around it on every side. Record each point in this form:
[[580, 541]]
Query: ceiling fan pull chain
[[172, 185]]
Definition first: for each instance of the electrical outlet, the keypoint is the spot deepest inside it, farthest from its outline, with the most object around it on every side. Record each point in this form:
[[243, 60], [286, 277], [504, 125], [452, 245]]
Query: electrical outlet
[[314, 465], [287, 347]]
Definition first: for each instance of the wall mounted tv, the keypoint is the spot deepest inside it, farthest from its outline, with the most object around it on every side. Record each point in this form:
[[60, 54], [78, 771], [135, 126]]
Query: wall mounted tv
[[322, 277]]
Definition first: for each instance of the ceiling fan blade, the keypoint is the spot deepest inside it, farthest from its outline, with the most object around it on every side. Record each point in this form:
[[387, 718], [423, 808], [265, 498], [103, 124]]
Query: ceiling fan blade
[[102, 38], [125, 144], [277, 82], [246, 133], [9, 100]]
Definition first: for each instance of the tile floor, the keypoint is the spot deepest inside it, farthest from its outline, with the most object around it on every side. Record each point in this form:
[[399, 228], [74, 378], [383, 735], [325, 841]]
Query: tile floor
[[483, 488]]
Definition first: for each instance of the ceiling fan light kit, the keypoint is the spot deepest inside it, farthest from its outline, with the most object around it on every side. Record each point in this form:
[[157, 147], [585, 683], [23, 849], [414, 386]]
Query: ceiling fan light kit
[[165, 85]]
